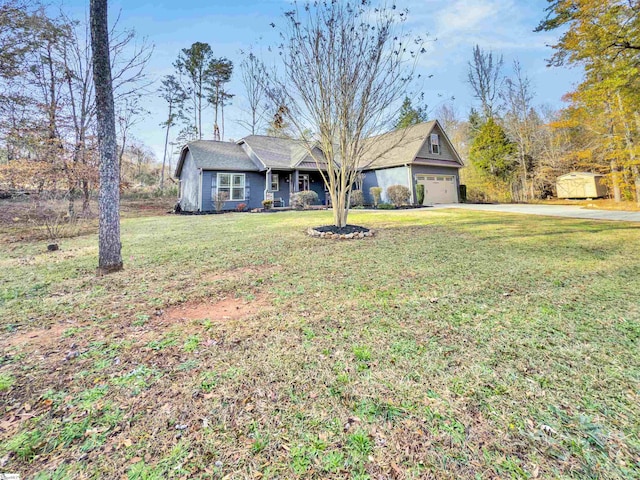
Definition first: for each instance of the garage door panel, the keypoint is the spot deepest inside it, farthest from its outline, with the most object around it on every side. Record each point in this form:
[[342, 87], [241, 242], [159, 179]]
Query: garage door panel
[[439, 189]]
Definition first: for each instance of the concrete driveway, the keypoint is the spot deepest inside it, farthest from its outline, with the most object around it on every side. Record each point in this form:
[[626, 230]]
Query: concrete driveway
[[569, 211]]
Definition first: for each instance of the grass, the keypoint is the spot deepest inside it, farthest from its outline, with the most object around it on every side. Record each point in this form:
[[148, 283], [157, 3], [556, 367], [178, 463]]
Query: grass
[[454, 344]]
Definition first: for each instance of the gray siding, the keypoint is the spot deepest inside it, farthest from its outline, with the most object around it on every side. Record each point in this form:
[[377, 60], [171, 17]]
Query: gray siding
[[432, 170], [253, 190], [384, 177], [190, 185], [316, 184], [284, 182], [445, 153]]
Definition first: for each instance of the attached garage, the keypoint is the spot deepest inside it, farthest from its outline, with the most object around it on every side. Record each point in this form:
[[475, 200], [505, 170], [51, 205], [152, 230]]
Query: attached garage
[[439, 188], [581, 185]]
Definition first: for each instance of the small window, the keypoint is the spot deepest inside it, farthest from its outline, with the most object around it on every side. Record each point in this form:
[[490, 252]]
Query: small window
[[233, 184], [440, 179], [431, 179], [435, 144], [275, 182]]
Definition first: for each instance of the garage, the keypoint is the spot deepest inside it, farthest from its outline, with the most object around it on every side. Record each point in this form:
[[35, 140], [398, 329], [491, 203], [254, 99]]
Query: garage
[[439, 189]]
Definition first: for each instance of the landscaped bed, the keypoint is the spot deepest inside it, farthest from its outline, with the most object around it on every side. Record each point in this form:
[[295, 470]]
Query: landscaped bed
[[453, 344]]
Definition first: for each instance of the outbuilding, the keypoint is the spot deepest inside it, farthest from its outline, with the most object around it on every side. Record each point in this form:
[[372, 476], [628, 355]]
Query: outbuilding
[[581, 185]]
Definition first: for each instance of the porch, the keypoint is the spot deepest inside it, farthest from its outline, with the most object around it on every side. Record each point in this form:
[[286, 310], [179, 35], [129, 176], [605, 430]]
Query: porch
[[281, 184]]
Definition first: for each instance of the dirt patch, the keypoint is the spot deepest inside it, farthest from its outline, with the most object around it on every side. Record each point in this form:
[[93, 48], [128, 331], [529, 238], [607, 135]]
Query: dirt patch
[[238, 273], [229, 308], [39, 338]]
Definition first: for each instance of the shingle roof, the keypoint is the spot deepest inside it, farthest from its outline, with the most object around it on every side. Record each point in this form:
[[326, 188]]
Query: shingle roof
[[212, 155], [395, 148], [279, 153]]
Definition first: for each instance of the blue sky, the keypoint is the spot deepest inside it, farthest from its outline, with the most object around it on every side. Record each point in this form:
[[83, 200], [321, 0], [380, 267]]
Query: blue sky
[[455, 26]]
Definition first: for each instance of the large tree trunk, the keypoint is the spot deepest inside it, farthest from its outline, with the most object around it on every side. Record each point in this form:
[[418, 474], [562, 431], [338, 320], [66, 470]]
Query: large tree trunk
[[615, 180], [110, 257]]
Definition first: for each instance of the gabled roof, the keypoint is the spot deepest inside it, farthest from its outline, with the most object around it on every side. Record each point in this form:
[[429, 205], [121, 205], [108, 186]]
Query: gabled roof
[[212, 155], [402, 146], [279, 153]]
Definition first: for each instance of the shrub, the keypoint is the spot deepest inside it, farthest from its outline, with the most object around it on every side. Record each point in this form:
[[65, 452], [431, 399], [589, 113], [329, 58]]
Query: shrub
[[420, 193], [376, 193], [219, 199], [398, 194], [357, 198], [241, 207], [267, 204], [303, 199], [386, 206]]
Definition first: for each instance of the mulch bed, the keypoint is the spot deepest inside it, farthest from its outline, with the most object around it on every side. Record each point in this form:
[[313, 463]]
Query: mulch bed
[[341, 230]]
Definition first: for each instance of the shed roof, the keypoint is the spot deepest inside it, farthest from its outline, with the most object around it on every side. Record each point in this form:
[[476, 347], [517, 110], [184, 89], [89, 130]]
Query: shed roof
[[579, 174], [212, 155]]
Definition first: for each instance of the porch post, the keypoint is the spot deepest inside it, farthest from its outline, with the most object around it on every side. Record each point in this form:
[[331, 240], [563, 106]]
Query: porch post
[[296, 179]]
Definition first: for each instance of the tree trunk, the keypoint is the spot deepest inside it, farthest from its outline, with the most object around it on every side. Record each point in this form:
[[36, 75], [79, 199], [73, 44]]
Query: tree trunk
[[86, 198], [166, 144], [615, 180], [110, 257]]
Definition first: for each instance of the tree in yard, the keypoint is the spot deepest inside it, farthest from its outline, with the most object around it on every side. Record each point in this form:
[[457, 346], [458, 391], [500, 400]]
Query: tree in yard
[[492, 152], [522, 124], [252, 68], [409, 115], [173, 94], [110, 257], [194, 63], [218, 74], [345, 66], [485, 77]]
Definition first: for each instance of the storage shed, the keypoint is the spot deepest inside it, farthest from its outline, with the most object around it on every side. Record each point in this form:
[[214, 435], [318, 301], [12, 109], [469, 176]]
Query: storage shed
[[581, 185]]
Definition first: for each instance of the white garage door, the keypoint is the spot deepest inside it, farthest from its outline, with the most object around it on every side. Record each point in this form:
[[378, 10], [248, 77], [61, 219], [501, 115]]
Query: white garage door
[[439, 189]]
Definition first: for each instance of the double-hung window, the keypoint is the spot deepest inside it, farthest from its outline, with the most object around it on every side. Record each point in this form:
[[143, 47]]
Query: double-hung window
[[435, 144], [232, 184], [275, 182]]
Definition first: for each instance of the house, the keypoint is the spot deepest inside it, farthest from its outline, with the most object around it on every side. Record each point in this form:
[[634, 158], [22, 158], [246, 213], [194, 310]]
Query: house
[[259, 167]]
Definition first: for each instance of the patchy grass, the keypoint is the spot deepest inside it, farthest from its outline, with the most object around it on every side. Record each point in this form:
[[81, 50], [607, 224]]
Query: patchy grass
[[454, 344]]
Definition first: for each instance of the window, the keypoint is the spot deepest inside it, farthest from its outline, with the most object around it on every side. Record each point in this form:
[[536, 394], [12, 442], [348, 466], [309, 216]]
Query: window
[[275, 182], [435, 144], [233, 184], [303, 182]]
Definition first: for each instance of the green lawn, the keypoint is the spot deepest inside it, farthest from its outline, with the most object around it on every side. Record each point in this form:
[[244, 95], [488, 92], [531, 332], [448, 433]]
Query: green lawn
[[452, 345]]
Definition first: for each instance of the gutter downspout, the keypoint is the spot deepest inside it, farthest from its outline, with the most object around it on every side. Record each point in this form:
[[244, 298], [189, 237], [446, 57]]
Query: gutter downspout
[[267, 183], [411, 187], [200, 201]]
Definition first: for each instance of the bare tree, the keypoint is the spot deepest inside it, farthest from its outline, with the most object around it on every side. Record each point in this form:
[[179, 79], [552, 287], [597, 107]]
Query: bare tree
[[252, 68], [345, 66], [521, 123], [485, 78], [110, 256]]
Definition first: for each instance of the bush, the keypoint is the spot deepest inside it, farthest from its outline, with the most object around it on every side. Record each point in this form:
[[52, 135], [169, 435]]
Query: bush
[[357, 198], [303, 199], [398, 194], [376, 193], [386, 206], [420, 193], [241, 207], [219, 199], [267, 204]]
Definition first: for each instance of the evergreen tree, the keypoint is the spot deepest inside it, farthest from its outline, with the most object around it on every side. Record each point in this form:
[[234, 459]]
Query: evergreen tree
[[409, 115], [491, 151]]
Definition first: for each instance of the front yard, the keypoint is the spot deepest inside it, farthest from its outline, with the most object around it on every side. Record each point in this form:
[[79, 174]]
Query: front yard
[[454, 344]]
